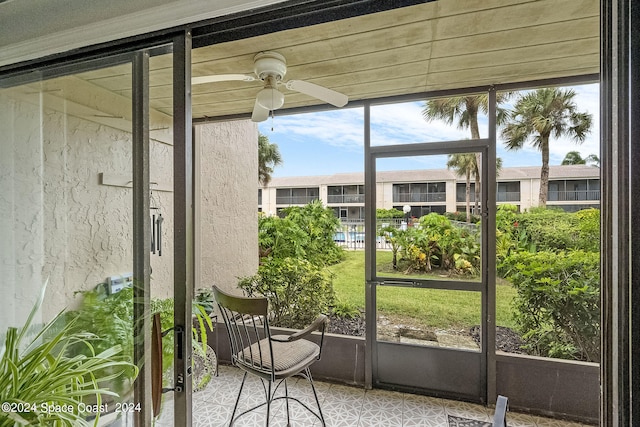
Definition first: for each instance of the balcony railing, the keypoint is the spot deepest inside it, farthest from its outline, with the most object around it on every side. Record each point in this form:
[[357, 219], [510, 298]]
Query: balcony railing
[[295, 200], [561, 196], [508, 196], [419, 197], [501, 196], [345, 198], [460, 198]]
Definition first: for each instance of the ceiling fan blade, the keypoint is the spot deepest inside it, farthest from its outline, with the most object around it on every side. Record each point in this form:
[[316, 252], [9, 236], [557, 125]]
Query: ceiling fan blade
[[222, 78], [260, 114], [320, 92]]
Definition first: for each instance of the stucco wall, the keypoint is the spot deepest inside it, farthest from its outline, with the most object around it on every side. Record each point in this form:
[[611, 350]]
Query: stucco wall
[[21, 224], [59, 222], [229, 200]]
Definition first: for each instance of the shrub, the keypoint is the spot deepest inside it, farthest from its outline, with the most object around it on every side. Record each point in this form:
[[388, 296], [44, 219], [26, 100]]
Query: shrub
[[557, 230], [281, 238], [393, 236], [557, 302], [461, 217], [304, 232], [389, 213], [588, 229], [345, 310], [435, 243], [297, 290]]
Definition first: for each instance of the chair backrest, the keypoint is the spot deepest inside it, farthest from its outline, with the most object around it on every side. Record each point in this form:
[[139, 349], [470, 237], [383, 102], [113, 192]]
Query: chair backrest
[[245, 319]]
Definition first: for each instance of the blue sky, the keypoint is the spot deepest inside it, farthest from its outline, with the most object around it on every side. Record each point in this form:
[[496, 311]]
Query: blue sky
[[332, 142]]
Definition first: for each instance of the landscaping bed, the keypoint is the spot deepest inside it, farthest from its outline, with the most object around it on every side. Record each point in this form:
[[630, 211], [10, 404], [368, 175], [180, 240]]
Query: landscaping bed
[[507, 339]]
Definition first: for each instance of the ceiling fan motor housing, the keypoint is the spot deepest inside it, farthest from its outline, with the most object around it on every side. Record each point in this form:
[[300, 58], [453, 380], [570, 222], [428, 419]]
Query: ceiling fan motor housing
[[270, 64]]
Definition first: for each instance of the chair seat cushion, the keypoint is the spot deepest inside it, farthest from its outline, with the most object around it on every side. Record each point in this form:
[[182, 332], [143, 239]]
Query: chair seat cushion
[[290, 357]]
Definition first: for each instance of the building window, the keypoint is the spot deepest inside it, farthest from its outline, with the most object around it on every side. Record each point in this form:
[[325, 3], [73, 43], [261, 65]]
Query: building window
[[349, 213], [461, 192], [508, 191], [259, 196], [345, 194], [297, 196], [574, 190], [419, 192]]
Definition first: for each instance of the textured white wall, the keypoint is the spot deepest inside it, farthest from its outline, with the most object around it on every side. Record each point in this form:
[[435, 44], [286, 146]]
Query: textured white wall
[[58, 220], [21, 224], [229, 201]]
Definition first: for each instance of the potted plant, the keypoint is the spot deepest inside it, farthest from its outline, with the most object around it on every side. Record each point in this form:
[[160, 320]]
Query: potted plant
[[43, 381]]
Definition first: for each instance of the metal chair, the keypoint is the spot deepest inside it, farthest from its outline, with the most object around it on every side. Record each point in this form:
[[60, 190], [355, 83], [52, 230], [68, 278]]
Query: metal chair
[[272, 358]]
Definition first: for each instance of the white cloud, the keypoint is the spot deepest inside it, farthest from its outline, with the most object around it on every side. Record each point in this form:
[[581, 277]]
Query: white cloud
[[339, 128], [403, 123]]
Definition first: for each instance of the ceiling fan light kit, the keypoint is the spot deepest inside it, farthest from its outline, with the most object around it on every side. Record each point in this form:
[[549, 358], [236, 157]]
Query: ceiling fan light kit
[[271, 67], [270, 98]]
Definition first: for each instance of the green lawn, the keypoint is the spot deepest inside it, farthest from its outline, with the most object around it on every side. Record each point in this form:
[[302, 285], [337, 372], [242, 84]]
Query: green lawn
[[433, 308]]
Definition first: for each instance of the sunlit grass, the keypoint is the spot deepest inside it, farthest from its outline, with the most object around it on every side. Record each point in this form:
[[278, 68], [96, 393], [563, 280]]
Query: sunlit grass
[[434, 308]]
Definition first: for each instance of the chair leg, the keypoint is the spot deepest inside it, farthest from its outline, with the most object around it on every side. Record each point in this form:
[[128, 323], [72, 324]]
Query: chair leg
[[268, 403], [235, 407], [286, 399], [315, 394]]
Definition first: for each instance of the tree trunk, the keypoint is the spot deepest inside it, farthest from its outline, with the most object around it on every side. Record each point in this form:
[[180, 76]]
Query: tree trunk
[[475, 134], [468, 195], [544, 171], [477, 183]]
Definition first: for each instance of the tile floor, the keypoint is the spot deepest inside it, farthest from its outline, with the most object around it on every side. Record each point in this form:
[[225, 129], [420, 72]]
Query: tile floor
[[342, 406]]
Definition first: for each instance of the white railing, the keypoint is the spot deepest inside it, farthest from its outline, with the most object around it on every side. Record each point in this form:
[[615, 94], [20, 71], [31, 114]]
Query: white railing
[[350, 234]]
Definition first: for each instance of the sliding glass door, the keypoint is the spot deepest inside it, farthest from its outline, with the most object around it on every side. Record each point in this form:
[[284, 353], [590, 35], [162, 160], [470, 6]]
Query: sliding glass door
[[94, 237]]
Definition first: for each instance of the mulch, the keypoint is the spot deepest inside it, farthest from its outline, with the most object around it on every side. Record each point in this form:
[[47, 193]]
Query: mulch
[[507, 339]]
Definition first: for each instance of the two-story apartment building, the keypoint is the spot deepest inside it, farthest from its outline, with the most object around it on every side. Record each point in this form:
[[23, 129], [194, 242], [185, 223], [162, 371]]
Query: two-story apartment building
[[571, 188]]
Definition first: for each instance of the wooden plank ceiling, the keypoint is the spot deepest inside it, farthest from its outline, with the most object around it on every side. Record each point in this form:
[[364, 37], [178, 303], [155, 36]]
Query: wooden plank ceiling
[[433, 46]]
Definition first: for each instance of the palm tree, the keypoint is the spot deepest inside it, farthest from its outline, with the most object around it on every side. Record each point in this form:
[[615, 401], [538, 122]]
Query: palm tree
[[464, 165], [268, 158], [465, 110], [574, 158], [539, 115]]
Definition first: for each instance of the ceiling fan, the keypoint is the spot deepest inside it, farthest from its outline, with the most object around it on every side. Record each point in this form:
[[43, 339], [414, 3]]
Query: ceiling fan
[[270, 68]]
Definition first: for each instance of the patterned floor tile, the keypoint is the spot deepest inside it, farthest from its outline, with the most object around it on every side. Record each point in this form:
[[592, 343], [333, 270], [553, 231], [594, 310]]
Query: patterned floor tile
[[384, 399], [466, 410], [297, 413], [342, 393], [342, 406], [424, 420], [416, 402], [302, 390], [211, 416], [342, 413], [371, 416], [252, 419], [423, 411], [549, 422], [520, 420]]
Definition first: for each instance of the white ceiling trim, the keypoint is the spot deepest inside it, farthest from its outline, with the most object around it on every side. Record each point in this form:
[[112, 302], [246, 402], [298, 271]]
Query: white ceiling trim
[[178, 13]]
